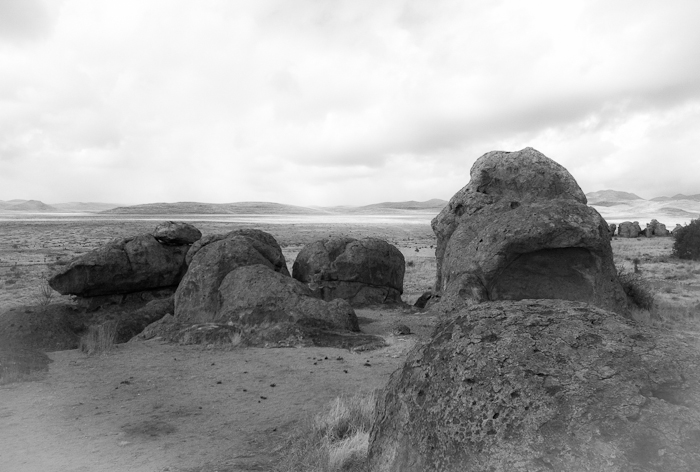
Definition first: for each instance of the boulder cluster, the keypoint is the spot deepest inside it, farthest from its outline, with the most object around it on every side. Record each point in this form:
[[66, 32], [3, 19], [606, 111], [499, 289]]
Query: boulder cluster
[[535, 365], [629, 229], [181, 286]]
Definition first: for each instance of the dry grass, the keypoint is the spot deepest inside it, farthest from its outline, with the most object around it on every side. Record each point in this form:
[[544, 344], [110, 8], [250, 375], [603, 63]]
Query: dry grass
[[336, 440], [99, 339]]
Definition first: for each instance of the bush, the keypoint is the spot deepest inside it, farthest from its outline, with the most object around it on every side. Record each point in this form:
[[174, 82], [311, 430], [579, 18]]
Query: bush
[[637, 288], [687, 243]]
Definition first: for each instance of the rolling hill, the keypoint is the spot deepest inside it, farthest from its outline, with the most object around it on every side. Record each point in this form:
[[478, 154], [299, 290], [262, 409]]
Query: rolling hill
[[188, 208]]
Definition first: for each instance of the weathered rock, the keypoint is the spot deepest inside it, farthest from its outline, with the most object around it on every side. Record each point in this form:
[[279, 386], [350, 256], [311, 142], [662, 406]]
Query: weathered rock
[[176, 233], [211, 259], [613, 227], [521, 229], [366, 271], [257, 295], [655, 229], [629, 229], [542, 385], [122, 266]]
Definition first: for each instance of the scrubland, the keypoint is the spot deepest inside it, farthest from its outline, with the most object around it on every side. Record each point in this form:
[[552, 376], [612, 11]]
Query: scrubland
[[150, 406]]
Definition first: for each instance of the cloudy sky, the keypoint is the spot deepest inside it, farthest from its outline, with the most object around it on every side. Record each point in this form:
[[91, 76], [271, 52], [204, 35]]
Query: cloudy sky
[[321, 102]]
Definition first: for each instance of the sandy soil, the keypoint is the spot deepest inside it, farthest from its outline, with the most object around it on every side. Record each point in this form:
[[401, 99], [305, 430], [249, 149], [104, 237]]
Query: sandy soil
[[151, 406]]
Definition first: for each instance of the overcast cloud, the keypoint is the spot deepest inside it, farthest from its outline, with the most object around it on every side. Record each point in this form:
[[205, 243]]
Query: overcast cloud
[[317, 102]]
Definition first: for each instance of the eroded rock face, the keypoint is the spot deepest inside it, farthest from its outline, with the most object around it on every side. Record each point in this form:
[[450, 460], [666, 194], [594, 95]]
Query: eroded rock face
[[122, 266], [211, 259], [541, 385], [521, 229], [366, 271], [629, 229], [176, 233]]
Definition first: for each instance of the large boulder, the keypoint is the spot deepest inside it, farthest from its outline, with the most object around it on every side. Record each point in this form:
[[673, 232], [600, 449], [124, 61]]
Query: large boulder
[[521, 229], [176, 233], [542, 385], [256, 295], [211, 259], [655, 229], [122, 266], [629, 229], [365, 271]]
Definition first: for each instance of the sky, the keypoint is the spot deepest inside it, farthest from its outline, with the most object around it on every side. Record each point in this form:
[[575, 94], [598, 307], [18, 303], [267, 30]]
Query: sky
[[320, 102]]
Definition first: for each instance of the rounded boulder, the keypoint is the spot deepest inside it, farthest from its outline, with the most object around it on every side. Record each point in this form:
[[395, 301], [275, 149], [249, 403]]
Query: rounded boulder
[[541, 385], [363, 272]]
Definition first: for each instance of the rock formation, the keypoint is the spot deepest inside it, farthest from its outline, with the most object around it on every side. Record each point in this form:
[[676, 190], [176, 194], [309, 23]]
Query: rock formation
[[537, 386], [242, 278], [629, 229], [521, 229], [127, 265], [365, 271], [176, 233], [613, 227], [211, 259], [256, 295], [654, 229]]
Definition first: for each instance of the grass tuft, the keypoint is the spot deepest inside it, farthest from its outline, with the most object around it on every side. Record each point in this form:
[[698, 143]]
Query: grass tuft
[[336, 440], [99, 338]]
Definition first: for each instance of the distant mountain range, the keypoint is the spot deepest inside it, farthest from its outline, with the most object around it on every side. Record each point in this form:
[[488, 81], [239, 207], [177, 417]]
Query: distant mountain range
[[615, 206], [239, 208], [35, 206]]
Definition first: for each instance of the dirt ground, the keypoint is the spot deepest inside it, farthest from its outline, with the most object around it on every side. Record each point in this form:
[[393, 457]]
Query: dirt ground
[[151, 406], [155, 407]]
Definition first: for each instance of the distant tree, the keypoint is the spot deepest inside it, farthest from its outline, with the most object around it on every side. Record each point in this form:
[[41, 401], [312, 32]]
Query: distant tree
[[687, 243]]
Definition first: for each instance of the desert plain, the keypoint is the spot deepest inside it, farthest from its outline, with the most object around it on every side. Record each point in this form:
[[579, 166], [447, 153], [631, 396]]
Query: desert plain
[[153, 406]]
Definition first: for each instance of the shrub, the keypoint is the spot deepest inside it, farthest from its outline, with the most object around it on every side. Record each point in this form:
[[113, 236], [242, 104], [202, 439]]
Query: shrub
[[687, 241], [637, 288], [99, 338]]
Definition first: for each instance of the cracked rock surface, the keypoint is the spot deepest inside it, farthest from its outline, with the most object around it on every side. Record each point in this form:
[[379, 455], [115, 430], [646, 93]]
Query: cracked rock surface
[[542, 385]]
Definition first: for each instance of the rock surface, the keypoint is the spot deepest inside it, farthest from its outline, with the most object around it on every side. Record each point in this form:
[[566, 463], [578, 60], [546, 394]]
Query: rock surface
[[542, 385], [629, 229], [521, 229], [257, 295], [365, 271], [613, 228], [211, 259], [122, 266], [176, 233]]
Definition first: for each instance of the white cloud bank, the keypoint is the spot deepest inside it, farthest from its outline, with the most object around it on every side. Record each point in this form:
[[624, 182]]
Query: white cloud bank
[[347, 102]]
